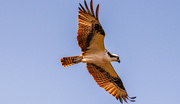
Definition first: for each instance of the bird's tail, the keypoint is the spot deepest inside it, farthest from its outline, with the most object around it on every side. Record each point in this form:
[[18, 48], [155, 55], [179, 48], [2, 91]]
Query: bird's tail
[[68, 61]]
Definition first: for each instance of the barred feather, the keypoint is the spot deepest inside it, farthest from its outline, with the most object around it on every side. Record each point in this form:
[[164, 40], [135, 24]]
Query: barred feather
[[68, 61], [86, 25], [110, 83]]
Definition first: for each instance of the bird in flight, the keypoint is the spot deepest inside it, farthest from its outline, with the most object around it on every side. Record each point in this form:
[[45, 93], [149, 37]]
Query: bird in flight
[[91, 41]]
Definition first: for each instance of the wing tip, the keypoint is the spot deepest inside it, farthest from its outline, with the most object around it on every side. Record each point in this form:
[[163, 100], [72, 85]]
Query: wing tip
[[89, 11], [125, 98], [132, 99], [97, 12], [91, 6]]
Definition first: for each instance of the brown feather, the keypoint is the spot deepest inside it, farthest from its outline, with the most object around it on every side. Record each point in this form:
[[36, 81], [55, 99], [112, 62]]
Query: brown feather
[[124, 98], [92, 11], [108, 82], [120, 99], [82, 7], [111, 90], [68, 61], [97, 12], [79, 9], [114, 92], [87, 7], [117, 96]]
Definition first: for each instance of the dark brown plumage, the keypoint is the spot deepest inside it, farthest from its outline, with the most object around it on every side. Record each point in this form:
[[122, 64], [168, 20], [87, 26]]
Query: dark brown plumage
[[112, 84], [86, 24]]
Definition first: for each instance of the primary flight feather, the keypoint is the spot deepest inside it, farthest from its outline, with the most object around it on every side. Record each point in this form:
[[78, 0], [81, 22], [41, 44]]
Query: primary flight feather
[[91, 41]]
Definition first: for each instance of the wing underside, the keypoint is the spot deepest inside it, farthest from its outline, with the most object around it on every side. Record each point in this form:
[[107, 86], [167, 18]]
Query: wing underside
[[88, 25], [109, 81]]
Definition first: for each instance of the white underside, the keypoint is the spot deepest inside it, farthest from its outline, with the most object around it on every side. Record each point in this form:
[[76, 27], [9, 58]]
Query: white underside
[[96, 52], [101, 59], [98, 57]]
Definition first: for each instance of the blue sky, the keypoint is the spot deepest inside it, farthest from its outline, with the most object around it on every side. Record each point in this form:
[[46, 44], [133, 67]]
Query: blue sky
[[35, 34]]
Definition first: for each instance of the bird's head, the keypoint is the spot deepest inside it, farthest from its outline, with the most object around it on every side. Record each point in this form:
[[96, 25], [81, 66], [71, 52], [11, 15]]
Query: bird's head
[[114, 57]]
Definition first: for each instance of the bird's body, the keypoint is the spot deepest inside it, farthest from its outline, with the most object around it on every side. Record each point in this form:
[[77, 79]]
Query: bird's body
[[91, 41], [96, 52]]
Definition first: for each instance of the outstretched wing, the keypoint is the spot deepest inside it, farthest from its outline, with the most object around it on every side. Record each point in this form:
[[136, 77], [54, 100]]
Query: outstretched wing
[[89, 27], [106, 77]]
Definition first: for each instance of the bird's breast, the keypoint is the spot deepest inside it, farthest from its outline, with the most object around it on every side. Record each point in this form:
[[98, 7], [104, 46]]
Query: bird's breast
[[99, 57]]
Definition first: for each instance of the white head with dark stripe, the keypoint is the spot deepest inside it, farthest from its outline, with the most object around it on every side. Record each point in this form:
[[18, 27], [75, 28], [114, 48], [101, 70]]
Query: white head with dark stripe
[[113, 57]]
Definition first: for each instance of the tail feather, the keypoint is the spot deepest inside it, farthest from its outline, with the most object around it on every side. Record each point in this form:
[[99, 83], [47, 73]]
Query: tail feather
[[68, 61]]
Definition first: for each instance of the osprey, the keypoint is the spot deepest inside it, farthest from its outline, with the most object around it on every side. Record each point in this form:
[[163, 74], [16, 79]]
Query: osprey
[[91, 41]]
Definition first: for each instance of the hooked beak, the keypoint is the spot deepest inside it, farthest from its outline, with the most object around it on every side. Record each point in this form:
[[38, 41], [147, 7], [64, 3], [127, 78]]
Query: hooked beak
[[118, 60]]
